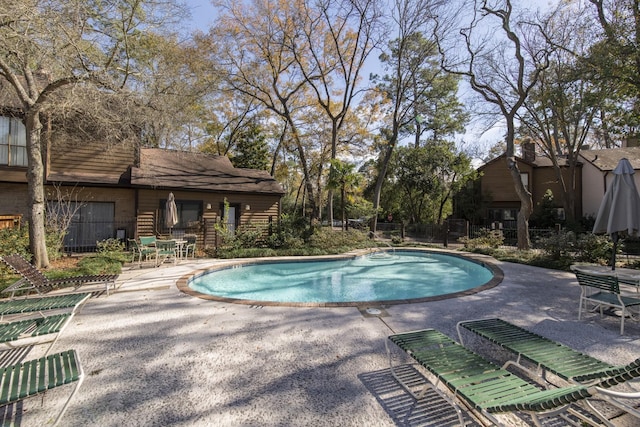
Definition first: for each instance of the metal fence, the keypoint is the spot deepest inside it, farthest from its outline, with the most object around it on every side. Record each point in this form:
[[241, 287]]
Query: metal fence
[[511, 234], [83, 236], [450, 232]]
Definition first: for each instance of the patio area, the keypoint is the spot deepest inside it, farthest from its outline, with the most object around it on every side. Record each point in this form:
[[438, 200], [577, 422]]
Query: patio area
[[155, 356]]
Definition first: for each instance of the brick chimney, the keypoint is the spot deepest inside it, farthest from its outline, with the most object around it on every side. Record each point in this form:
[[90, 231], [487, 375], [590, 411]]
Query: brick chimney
[[529, 151], [631, 141]]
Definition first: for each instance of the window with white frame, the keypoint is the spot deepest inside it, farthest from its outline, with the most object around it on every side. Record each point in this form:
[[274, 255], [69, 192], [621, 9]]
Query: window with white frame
[[13, 142]]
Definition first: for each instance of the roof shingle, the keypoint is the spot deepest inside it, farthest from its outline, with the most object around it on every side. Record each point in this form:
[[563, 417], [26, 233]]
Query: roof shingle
[[607, 160], [198, 171]]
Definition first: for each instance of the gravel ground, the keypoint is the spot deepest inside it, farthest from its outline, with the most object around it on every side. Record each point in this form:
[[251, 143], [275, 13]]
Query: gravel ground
[[154, 356]]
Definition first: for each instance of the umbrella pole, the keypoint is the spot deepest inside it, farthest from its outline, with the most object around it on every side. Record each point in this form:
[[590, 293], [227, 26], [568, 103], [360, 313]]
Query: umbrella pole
[[614, 237]]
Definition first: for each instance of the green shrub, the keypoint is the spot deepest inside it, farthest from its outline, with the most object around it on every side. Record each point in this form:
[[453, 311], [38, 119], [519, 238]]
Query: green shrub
[[281, 241], [328, 239], [323, 241], [396, 240], [108, 259], [248, 236], [561, 245], [593, 248], [487, 239], [96, 264], [16, 241], [565, 248]]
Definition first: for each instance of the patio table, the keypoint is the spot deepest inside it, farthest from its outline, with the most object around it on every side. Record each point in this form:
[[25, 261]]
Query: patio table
[[179, 246]]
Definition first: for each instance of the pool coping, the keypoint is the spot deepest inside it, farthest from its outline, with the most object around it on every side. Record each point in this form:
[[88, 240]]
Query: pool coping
[[183, 282]]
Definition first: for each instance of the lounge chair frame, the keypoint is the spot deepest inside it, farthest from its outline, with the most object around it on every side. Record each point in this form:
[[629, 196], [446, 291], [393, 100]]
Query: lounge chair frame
[[564, 362], [34, 377], [480, 385], [42, 306], [38, 330], [33, 279]]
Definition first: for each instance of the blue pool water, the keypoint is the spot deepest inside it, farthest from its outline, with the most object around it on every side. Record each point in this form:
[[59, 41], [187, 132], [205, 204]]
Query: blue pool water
[[391, 276]]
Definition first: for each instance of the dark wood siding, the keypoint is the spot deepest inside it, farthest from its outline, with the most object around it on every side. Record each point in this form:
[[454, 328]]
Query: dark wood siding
[[262, 209], [13, 174], [497, 181], [14, 200], [546, 179]]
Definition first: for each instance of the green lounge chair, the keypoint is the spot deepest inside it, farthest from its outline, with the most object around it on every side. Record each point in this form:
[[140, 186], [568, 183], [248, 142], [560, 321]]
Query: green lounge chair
[[25, 306], [483, 386], [32, 278], [38, 330], [33, 377], [550, 356]]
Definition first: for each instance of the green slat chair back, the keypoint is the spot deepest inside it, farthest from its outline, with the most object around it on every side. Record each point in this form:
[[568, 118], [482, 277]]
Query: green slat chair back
[[147, 240], [604, 283], [33, 377], [31, 305], [557, 358]]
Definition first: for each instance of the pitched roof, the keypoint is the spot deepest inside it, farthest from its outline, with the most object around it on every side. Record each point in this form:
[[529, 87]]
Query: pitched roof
[[607, 159], [160, 168], [539, 162]]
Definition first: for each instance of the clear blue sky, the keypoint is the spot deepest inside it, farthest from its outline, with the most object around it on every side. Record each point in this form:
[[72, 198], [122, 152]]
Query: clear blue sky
[[202, 14]]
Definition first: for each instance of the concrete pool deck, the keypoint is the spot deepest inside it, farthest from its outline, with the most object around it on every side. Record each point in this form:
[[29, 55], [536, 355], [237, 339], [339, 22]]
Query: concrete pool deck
[[155, 356]]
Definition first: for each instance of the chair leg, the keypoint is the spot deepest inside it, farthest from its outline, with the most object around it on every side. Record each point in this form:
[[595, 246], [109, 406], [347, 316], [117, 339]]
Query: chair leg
[[580, 308], [66, 404]]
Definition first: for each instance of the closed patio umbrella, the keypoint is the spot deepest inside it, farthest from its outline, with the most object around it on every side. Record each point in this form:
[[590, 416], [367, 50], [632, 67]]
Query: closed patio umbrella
[[620, 208], [171, 213]]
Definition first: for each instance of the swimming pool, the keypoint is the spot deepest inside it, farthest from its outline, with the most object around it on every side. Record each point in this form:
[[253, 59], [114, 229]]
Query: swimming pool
[[392, 277]]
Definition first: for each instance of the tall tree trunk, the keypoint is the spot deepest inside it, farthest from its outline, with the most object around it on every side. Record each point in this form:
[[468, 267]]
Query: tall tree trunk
[[35, 178], [526, 204], [382, 173], [334, 153], [343, 195], [526, 201], [313, 207]]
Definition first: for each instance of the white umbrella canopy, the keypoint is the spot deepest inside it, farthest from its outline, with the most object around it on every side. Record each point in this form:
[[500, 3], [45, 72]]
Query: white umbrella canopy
[[171, 213], [620, 208]]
